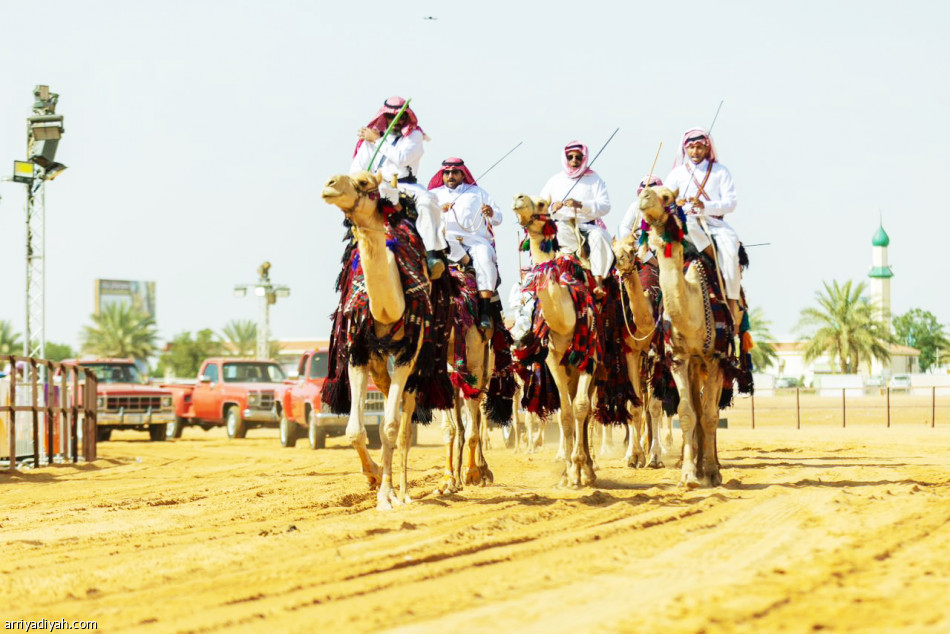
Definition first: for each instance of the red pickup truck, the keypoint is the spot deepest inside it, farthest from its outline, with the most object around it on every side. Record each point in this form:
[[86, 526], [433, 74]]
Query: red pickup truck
[[125, 401], [300, 411], [236, 393]]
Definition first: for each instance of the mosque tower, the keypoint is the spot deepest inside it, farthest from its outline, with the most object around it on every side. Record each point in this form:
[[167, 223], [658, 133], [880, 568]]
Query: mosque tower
[[880, 275]]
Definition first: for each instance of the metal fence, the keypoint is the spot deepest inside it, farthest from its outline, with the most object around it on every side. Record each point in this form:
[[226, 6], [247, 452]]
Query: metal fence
[[842, 407], [47, 411]]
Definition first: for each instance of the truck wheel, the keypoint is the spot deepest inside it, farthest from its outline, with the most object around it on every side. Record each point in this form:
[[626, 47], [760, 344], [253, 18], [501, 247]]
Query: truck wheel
[[103, 434], [156, 433], [235, 424], [373, 441], [174, 429], [288, 432], [317, 436]]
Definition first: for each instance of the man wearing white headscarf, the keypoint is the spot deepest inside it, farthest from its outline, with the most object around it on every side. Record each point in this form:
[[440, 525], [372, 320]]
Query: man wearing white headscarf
[[399, 157], [587, 203], [706, 191]]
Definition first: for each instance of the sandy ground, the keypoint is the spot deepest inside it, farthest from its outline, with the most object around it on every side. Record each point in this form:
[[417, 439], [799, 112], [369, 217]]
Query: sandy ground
[[822, 529]]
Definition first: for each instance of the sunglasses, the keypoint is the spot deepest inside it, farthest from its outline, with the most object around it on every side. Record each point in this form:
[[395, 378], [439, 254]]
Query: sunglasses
[[575, 157], [451, 171]]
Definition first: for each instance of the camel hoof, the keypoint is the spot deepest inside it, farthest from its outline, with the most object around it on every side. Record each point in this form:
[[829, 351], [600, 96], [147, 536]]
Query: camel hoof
[[473, 476], [715, 479], [656, 463], [690, 481], [448, 487], [487, 476], [588, 478]]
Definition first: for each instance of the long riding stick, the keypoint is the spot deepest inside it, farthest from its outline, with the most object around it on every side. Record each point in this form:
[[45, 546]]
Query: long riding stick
[[495, 164], [388, 130]]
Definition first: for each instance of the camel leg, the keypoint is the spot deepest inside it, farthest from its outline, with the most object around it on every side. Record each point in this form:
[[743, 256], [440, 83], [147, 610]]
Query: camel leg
[[580, 456], [387, 495], [583, 415], [516, 419], [654, 412], [450, 432], [404, 441], [355, 431], [565, 418], [471, 431], [536, 438], [710, 423], [634, 456], [487, 476], [687, 416]]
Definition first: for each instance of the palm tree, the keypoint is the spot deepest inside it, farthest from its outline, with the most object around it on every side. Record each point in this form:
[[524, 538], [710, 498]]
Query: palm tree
[[843, 326], [120, 330], [242, 335], [763, 354], [9, 341]]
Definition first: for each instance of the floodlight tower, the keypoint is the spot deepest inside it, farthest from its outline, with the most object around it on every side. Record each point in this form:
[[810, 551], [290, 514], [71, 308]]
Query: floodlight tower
[[43, 132], [267, 293]]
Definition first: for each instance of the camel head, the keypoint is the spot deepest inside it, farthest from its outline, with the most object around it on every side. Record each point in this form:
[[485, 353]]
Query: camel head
[[655, 203], [625, 254], [356, 194], [532, 212]]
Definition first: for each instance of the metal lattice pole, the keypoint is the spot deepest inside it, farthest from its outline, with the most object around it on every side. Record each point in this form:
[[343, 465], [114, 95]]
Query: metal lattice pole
[[34, 344]]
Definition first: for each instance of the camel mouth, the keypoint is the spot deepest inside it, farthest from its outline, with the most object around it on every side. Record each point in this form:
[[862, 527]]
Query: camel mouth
[[329, 193]]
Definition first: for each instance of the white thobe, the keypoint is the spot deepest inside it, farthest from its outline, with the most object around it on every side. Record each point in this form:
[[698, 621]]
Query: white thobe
[[466, 229], [719, 200], [591, 192], [400, 156]]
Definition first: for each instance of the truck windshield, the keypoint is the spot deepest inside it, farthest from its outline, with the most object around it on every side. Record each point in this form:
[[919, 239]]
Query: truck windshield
[[253, 373], [115, 372], [318, 366]]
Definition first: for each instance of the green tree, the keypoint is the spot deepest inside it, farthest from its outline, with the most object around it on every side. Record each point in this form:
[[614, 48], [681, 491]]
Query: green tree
[[9, 341], [119, 330], [763, 354], [242, 335], [920, 329], [58, 351], [184, 355], [843, 327]]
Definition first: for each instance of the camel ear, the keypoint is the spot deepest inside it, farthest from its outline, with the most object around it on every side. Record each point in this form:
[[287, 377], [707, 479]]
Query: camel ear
[[377, 178], [675, 192]]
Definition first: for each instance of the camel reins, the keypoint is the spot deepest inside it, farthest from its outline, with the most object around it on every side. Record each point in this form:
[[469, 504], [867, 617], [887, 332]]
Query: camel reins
[[623, 291]]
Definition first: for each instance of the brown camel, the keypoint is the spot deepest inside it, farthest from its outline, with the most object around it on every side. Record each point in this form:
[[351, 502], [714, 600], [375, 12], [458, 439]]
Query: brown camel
[[358, 196], [460, 433], [575, 386], [639, 339], [696, 370]]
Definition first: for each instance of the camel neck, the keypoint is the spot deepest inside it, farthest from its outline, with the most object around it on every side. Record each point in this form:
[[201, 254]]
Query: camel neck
[[387, 301]]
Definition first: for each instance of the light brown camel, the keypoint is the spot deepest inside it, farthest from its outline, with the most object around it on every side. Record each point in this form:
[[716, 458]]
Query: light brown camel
[[575, 387], [639, 337], [357, 195], [696, 370], [460, 433]]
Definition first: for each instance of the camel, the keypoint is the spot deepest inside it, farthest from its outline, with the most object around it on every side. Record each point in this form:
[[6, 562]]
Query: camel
[[639, 341], [574, 383], [460, 432], [357, 196], [696, 369]]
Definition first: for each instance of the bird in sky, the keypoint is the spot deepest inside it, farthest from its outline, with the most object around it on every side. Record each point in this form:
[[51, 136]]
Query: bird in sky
[[429, 17]]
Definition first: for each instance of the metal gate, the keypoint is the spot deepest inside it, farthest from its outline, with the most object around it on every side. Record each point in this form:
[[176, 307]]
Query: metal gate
[[47, 412]]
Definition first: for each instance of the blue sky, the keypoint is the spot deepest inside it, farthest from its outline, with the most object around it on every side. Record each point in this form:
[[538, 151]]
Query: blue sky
[[199, 134]]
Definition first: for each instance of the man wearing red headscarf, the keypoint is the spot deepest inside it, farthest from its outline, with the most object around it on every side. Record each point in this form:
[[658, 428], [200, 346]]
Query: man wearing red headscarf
[[706, 191], [399, 156], [588, 201], [469, 213]]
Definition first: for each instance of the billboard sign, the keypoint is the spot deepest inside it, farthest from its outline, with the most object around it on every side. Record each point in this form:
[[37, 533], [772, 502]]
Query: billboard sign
[[138, 294]]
